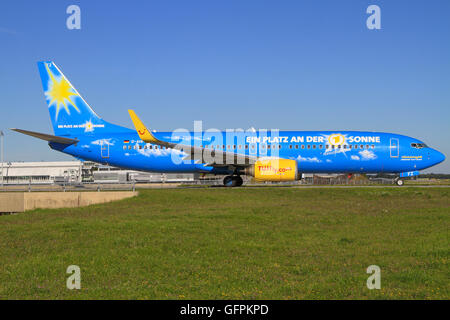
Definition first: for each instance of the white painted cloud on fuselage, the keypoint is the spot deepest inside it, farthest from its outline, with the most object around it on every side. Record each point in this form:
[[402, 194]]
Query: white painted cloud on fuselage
[[308, 159], [367, 155], [103, 142]]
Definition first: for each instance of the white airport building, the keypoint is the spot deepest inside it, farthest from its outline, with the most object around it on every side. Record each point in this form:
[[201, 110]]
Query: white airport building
[[76, 172], [41, 172]]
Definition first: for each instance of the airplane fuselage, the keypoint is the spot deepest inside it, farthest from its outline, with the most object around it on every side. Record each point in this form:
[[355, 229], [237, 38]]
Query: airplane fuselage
[[314, 151]]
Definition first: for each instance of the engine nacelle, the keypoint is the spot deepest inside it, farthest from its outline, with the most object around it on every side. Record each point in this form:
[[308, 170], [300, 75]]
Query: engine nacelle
[[274, 170]]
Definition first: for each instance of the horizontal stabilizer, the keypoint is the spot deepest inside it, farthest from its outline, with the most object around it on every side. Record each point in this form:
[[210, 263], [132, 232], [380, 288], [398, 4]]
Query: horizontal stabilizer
[[47, 137]]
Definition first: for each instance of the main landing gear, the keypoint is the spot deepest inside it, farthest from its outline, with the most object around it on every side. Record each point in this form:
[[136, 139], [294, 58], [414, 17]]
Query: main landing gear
[[233, 181], [398, 182]]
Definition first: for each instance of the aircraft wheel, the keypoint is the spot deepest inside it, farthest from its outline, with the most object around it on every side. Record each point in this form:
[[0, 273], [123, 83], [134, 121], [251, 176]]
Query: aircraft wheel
[[239, 181], [228, 181], [399, 182], [232, 181]]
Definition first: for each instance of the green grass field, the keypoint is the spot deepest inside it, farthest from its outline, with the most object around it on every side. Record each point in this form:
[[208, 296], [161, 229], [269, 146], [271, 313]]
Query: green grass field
[[243, 243]]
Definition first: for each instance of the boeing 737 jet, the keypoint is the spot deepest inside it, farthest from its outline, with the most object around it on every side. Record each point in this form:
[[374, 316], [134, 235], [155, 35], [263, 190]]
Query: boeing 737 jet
[[265, 155]]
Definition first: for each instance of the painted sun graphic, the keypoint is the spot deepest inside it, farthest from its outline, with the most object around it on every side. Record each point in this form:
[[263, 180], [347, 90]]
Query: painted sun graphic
[[59, 93], [88, 126]]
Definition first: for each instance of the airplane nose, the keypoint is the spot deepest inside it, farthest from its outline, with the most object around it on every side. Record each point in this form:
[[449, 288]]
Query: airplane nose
[[438, 157]]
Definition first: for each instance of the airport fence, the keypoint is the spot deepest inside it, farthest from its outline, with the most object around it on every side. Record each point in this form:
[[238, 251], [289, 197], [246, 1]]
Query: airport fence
[[132, 186], [85, 186]]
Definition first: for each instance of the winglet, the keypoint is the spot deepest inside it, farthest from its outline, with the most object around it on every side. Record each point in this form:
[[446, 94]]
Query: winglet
[[143, 132]]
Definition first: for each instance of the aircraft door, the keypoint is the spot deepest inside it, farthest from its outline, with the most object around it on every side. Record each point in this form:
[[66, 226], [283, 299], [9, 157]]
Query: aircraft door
[[104, 149], [394, 148]]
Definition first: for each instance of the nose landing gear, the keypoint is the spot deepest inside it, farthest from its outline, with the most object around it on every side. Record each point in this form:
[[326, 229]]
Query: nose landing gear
[[233, 181], [399, 182]]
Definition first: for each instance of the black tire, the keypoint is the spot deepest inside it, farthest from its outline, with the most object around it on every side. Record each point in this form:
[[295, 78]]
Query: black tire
[[228, 181], [232, 181]]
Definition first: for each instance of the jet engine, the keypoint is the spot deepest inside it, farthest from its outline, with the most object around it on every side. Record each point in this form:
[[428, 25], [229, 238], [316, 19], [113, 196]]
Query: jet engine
[[274, 170]]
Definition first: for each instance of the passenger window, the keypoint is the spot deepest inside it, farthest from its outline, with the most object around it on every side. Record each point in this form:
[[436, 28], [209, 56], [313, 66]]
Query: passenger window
[[356, 146], [296, 146], [309, 146], [320, 146], [246, 146], [303, 146], [279, 146], [124, 147], [314, 146], [361, 146], [373, 146], [290, 146], [350, 146], [367, 146]]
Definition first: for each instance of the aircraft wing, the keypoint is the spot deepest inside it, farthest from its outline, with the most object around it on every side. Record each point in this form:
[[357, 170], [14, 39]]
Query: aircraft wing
[[47, 137], [221, 158]]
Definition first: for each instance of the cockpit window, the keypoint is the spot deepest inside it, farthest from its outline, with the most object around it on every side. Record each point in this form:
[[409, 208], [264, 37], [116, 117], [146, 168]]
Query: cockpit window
[[419, 145]]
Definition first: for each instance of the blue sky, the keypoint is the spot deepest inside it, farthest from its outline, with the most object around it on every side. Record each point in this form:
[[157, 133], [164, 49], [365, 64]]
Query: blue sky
[[305, 65]]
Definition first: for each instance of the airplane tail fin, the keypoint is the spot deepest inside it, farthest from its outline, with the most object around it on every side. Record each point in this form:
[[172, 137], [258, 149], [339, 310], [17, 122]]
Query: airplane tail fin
[[69, 112]]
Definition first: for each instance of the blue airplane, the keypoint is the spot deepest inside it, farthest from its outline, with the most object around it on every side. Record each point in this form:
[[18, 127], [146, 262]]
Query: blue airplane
[[265, 155]]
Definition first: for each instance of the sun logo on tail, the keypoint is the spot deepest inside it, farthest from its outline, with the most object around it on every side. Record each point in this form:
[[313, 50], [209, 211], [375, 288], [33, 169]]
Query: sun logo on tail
[[59, 93]]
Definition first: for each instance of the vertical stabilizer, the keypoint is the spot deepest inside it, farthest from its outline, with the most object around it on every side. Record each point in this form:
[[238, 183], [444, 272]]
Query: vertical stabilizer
[[69, 112]]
